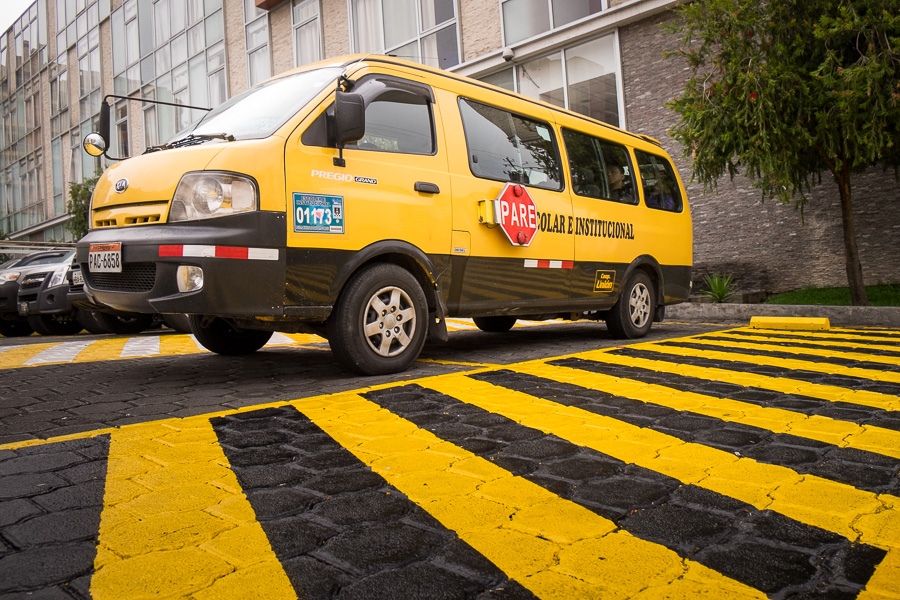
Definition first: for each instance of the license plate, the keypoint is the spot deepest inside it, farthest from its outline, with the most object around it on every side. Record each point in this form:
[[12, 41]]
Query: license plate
[[77, 278], [23, 308], [105, 258]]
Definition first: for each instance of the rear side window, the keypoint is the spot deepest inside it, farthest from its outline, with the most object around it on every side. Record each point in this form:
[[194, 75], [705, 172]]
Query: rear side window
[[508, 147], [659, 182], [599, 169]]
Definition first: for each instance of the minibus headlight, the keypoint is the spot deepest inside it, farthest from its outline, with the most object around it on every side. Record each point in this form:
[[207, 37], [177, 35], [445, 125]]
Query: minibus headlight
[[208, 194]]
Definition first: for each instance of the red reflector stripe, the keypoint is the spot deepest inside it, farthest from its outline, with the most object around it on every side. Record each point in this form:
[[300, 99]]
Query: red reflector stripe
[[568, 264], [171, 250], [231, 252]]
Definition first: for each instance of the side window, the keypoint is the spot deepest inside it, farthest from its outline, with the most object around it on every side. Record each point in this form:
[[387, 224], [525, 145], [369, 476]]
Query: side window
[[398, 121], [599, 168], [507, 147], [659, 182]]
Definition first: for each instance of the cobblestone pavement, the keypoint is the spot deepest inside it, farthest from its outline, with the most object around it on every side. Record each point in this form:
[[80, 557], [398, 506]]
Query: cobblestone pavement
[[703, 462]]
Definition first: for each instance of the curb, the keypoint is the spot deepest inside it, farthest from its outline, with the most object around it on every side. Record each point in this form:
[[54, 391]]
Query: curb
[[856, 316]]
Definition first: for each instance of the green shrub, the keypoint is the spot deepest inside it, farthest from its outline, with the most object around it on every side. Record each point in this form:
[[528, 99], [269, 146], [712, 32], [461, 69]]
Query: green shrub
[[721, 287]]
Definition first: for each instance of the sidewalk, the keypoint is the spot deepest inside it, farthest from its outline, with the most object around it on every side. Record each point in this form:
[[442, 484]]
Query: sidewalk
[[854, 316]]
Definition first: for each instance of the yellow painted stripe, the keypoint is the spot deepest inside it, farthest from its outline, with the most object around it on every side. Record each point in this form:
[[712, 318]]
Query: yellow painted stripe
[[17, 357], [844, 434], [784, 363], [874, 358], [555, 548], [775, 384], [108, 349], [836, 344], [884, 584], [791, 323], [175, 522], [175, 345], [809, 499], [306, 338], [833, 334]]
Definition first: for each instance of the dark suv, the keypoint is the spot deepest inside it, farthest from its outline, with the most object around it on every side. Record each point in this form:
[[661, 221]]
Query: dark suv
[[13, 273]]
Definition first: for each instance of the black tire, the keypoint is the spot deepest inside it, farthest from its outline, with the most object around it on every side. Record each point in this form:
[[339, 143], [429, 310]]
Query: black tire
[[219, 336], [380, 322], [88, 320], [494, 324], [180, 323], [632, 315], [62, 324], [124, 323], [15, 328]]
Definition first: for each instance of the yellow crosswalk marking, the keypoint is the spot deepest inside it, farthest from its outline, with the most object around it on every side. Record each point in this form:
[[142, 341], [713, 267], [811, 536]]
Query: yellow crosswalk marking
[[806, 498], [554, 547], [109, 349], [874, 358], [819, 342], [175, 522], [786, 363], [174, 345], [17, 357], [784, 385], [831, 431]]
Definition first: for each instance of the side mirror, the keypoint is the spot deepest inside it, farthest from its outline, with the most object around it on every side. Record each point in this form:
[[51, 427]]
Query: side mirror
[[94, 144], [349, 117]]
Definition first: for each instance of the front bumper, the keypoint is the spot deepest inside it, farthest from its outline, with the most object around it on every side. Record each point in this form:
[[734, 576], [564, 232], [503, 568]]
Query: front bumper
[[47, 301], [242, 257], [8, 294]]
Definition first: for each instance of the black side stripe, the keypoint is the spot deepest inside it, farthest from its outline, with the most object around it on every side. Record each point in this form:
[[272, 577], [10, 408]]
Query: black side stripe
[[845, 381], [762, 549], [806, 405], [863, 470], [51, 498], [338, 528]]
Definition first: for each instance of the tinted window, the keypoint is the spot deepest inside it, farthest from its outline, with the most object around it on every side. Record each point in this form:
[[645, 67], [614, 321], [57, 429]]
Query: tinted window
[[508, 147], [599, 169], [659, 182], [398, 121]]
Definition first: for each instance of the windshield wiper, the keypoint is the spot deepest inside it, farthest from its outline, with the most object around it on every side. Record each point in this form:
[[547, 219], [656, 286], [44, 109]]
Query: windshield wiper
[[191, 140]]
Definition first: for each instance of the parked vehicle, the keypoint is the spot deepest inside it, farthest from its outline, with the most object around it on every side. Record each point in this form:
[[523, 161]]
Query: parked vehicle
[[101, 319], [12, 324], [367, 198]]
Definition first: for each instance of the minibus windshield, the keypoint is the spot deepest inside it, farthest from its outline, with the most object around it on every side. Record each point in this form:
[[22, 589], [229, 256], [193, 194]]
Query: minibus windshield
[[260, 111]]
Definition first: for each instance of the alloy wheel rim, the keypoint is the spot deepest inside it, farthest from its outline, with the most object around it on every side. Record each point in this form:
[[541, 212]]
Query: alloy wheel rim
[[639, 305], [389, 321]]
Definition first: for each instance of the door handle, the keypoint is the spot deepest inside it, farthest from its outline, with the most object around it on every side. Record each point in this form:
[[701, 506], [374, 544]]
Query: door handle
[[427, 188]]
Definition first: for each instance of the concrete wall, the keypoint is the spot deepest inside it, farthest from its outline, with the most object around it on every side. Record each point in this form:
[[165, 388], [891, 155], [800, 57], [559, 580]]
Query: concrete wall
[[767, 245]]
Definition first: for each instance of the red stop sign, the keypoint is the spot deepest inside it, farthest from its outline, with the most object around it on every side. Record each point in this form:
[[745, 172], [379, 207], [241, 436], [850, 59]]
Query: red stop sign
[[516, 213]]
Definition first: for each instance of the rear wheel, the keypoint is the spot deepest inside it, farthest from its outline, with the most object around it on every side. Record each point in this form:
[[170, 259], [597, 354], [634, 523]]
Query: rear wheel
[[632, 315], [88, 319], [494, 324], [379, 324], [124, 323], [180, 323], [63, 324], [15, 328], [221, 337]]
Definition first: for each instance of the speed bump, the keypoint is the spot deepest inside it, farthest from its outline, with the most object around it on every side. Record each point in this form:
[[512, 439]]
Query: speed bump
[[792, 323]]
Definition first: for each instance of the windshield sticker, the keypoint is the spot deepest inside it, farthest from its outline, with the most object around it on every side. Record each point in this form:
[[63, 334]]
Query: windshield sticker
[[343, 177], [315, 213]]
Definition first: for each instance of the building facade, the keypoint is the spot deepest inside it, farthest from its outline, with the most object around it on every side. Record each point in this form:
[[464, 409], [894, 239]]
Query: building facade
[[602, 58]]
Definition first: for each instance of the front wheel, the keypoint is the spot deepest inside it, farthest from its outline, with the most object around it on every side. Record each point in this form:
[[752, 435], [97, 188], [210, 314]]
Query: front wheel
[[63, 324], [379, 324], [632, 315], [15, 327], [494, 324], [219, 336]]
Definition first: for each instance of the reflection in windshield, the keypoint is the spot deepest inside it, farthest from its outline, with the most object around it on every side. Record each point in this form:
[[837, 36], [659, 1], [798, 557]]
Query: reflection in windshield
[[258, 112]]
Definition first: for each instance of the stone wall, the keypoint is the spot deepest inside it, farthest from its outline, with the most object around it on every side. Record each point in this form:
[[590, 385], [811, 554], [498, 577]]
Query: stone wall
[[766, 246]]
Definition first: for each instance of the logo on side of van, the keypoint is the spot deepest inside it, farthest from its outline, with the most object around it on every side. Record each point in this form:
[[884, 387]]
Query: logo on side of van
[[605, 281], [343, 177]]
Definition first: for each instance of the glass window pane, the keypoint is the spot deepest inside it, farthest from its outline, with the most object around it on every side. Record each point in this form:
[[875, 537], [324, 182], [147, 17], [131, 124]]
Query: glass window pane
[[132, 50], [180, 77], [196, 39], [542, 78], [148, 70], [60, 14], [130, 8], [599, 169], [435, 12], [591, 73], [305, 10], [566, 11], [260, 69], [118, 41], [161, 22], [257, 34], [179, 49], [523, 19], [659, 182], [251, 12], [177, 10], [409, 51], [197, 75], [399, 21], [503, 79], [194, 11], [133, 77], [211, 6], [95, 68], [398, 122], [217, 88], [145, 22], [93, 16], [306, 41], [151, 137], [439, 49], [182, 115], [367, 26], [163, 59], [215, 27], [215, 57]]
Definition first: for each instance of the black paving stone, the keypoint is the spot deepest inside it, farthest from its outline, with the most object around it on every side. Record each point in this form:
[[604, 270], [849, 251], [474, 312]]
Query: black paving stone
[[820, 344], [713, 529], [338, 528], [760, 444]]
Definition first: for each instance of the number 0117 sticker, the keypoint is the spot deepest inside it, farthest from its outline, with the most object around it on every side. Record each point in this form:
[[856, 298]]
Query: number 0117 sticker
[[315, 213]]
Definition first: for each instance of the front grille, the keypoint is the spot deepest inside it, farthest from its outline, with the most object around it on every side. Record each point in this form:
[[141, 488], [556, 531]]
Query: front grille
[[76, 289], [28, 297], [32, 281], [135, 277]]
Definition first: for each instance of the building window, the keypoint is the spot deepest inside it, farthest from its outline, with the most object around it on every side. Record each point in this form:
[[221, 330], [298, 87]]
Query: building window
[[423, 31], [523, 19], [307, 44], [259, 62], [583, 78]]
